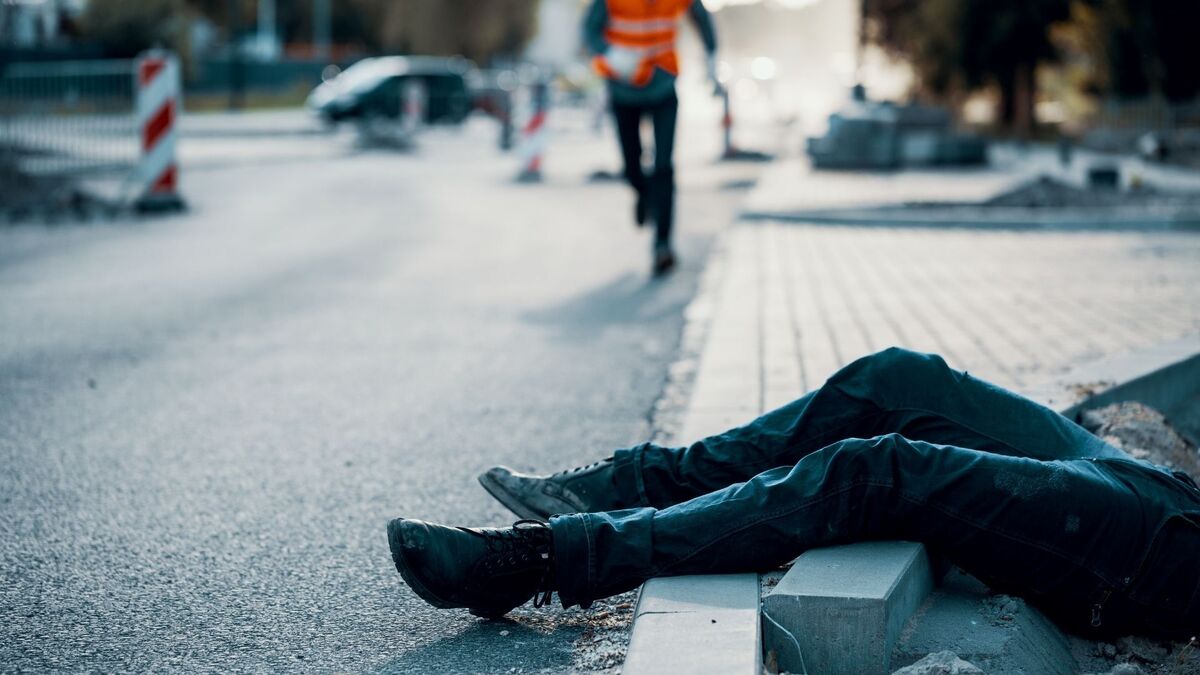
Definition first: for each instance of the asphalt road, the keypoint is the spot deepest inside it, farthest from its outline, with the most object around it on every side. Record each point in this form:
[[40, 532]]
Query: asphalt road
[[206, 420]]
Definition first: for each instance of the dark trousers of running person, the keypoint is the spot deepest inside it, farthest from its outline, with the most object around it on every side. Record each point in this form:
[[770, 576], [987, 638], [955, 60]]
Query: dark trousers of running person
[[899, 446], [657, 189]]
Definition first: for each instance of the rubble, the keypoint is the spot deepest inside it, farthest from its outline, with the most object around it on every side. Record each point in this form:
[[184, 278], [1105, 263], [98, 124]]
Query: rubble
[[1133, 655], [604, 637], [1145, 434], [940, 663]]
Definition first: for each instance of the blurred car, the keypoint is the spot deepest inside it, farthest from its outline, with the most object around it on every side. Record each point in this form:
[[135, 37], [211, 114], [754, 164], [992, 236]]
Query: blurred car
[[374, 87], [492, 91]]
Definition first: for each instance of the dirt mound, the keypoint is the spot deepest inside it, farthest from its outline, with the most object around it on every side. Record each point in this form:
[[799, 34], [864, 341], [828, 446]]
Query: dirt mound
[[24, 195], [1136, 655], [940, 663], [1144, 433]]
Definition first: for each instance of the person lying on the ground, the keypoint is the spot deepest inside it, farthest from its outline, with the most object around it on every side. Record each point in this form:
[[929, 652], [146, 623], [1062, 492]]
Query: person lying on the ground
[[894, 446]]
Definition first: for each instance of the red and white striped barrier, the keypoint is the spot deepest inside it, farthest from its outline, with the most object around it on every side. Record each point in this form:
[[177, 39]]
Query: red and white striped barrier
[[534, 136], [730, 150], [157, 77]]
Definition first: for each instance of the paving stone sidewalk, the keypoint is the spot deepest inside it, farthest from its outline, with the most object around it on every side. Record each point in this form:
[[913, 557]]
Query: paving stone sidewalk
[[792, 303]]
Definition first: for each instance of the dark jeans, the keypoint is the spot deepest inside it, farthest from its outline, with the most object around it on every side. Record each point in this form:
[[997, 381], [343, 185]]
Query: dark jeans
[[659, 188], [899, 446]]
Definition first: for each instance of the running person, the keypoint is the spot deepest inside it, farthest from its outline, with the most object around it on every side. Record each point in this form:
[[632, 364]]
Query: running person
[[633, 42]]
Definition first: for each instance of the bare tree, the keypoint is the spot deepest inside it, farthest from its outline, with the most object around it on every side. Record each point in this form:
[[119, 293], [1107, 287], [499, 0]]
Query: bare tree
[[477, 29]]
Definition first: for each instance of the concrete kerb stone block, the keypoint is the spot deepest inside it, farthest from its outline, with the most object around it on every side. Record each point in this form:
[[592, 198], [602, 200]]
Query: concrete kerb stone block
[[1158, 376], [696, 624], [993, 218], [844, 606], [1001, 635]]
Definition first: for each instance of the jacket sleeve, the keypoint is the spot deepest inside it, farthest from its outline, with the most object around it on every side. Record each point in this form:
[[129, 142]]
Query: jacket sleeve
[[704, 25], [593, 27]]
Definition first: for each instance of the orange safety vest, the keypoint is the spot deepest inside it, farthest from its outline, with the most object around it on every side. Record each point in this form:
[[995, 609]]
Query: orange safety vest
[[646, 26]]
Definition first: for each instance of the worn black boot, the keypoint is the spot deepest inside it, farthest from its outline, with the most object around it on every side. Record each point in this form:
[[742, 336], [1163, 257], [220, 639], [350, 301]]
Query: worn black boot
[[585, 489], [489, 571]]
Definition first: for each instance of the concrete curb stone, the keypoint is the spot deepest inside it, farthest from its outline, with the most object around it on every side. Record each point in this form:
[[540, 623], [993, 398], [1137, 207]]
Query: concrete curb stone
[[852, 602], [696, 624], [989, 218]]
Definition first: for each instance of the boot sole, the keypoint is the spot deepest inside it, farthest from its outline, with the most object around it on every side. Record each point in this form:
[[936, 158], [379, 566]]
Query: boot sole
[[510, 501], [395, 543]]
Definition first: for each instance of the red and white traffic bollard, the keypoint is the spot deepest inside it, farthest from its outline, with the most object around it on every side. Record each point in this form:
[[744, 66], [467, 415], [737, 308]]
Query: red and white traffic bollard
[[730, 151], [533, 136], [157, 78]]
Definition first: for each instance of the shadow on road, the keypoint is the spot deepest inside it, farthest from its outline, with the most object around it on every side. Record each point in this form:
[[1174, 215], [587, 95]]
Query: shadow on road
[[628, 299], [491, 647]]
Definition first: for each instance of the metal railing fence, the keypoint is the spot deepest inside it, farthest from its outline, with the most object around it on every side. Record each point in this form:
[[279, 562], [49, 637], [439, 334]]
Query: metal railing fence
[[69, 116], [1148, 115]]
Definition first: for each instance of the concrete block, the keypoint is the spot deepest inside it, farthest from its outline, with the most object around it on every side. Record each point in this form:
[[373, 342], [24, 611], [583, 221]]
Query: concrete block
[[999, 634], [696, 624], [846, 605], [699, 593]]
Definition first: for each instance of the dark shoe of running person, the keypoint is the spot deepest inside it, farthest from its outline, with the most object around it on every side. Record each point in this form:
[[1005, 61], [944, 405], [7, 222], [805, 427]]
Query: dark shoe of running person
[[488, 571], [581, 490], [664, 261]]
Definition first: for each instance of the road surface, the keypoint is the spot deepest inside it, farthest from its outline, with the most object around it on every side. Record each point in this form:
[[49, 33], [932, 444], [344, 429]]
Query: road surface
[[206, 420]]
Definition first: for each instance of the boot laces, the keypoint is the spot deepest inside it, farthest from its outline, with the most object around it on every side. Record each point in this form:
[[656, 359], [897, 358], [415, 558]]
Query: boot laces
[[579, 469], [519, 547]]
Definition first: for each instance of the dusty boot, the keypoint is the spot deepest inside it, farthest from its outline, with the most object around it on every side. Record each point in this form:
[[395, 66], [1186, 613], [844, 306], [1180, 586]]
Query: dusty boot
[[584, 489], [486, 570]]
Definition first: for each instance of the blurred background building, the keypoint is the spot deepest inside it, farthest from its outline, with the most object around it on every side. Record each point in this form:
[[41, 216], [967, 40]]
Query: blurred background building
[[1017, 67], [1105, 72]]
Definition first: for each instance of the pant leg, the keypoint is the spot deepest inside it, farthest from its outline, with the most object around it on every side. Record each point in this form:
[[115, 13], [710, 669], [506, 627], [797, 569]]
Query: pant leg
[[628, 120], [664, 115], [1058, 532], [893, 391]]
